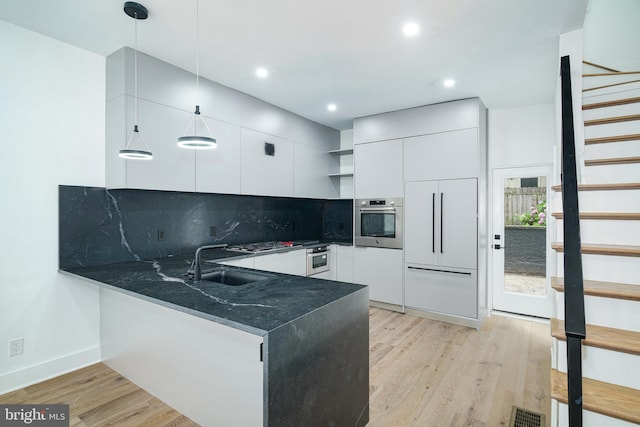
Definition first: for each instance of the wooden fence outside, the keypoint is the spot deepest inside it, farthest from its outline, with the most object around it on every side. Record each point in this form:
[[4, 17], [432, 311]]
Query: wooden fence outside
[[518, 201]]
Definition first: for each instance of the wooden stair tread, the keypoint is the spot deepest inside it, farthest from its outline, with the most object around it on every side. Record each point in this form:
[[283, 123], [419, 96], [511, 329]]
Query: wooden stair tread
[[624, 291], [630, 216], [607, 120], [612, 161], [597, 396], [609, 139], [602, 67], [616, 73], [603, 337], [598, 187], [600, 249], [612, 103], [610, 85]]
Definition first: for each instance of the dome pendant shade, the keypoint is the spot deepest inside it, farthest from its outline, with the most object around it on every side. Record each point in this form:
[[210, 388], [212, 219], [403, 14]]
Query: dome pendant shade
[[136, 149], [195, 141]]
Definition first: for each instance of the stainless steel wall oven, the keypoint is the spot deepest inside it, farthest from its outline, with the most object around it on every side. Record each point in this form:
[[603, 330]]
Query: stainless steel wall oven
[[379, 222]]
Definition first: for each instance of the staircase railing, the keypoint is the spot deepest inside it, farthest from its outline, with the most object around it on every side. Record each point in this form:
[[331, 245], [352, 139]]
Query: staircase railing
[[573, 281]]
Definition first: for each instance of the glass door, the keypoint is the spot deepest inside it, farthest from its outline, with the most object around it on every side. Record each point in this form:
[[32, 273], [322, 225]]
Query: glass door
[[519, 241]]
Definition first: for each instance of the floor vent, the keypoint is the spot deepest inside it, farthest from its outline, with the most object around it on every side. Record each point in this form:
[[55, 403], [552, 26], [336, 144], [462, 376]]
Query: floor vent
[[524, 418]]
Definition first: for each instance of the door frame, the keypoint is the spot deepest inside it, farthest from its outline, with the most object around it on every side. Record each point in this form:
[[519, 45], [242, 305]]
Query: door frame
[[527, 305]]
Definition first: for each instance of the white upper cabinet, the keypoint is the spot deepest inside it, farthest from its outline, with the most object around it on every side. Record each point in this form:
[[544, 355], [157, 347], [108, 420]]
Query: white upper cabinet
[[378, 169], [171, 167], [263, 174], [311, 172], [424, 120], [444, 155], [218, 170], [241, 124]]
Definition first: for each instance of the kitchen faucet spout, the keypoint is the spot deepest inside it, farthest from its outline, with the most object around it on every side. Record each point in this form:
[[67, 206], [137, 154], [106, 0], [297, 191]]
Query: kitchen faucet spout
[[196, 268]]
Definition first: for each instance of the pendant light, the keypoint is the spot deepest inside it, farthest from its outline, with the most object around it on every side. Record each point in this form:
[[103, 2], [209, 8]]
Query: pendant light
[[137, 148], [195, 141]]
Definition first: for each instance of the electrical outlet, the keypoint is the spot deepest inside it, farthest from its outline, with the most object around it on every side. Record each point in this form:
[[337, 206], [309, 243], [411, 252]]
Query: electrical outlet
[[161, 235], [16, 346]]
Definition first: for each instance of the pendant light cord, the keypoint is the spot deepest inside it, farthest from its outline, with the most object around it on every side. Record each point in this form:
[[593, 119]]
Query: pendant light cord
[[197, 49], [135, 68]]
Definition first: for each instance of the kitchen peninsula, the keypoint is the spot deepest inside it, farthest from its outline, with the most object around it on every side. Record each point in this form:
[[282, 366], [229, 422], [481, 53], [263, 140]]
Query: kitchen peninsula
[[282, 351]]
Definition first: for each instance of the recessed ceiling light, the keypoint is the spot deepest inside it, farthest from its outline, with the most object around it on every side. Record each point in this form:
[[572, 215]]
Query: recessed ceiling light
[[449, 83], [262, 72], [410, 29], [332, 107]]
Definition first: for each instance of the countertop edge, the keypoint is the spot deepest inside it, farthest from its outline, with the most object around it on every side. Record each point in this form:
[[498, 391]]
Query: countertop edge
[[196, 313]]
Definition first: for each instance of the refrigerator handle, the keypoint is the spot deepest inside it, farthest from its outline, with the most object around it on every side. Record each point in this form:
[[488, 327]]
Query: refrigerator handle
[[441, 221], [433, 223]]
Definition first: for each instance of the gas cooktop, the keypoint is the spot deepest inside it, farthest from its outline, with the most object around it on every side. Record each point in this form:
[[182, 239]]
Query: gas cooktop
[[268, 246], [261, 246]]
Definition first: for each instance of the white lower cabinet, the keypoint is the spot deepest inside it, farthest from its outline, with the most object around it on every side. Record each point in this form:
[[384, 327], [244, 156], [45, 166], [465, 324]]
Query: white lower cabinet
[[247, 262], [324, 275], [343, 265], [290, 262], [210, 372], [381, 270], [446, 291]]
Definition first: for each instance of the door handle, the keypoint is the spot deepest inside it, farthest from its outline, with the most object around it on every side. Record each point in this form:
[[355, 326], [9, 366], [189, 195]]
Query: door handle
[[433, 223], [497, 246], [441, 222]]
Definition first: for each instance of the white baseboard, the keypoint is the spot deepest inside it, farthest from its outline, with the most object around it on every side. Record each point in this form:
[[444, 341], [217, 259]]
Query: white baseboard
[[24, 377], [446, 318], [386, 306]]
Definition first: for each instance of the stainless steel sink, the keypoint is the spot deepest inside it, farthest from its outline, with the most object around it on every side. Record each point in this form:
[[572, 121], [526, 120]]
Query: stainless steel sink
[[232, 278]]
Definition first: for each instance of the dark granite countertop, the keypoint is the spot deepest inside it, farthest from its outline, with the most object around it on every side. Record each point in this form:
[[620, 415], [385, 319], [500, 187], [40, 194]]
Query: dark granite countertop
[[255, 307]]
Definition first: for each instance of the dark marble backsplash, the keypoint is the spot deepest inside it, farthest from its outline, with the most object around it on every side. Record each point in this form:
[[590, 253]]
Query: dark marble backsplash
[[99, 226]]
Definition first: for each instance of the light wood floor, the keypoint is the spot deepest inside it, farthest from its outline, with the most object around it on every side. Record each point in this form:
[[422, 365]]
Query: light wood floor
[[427, 373], [423, 373]]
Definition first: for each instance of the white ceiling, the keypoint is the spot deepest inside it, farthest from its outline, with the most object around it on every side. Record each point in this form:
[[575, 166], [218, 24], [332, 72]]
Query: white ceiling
[[349, 52]]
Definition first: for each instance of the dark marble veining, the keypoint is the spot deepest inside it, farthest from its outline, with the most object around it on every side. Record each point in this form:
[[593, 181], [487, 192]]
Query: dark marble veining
[[99, 226], [257, 307]]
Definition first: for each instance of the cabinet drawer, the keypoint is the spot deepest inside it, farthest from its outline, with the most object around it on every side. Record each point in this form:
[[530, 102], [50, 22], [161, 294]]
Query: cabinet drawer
[[447, 291]]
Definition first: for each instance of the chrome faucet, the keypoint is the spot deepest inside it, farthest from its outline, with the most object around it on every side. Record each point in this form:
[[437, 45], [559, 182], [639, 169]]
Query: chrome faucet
[[196, 268]]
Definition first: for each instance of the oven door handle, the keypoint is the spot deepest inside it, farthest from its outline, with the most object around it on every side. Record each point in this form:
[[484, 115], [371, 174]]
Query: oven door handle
[[376, 209]]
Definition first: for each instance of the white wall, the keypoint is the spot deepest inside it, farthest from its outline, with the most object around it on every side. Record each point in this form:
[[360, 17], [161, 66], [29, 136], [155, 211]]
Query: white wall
[[518, 137], [52, 109], [521, 136], [611, 34]]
